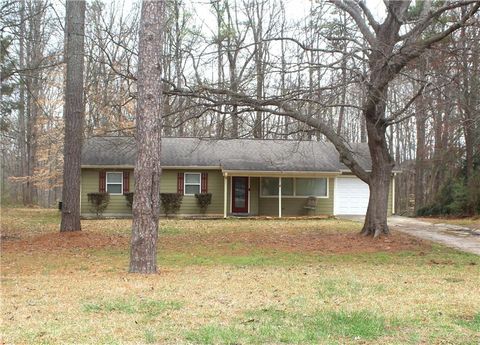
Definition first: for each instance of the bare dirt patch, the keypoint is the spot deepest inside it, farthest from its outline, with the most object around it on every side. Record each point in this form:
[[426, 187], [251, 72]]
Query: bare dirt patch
[[236, 243], [298, 242], [26, 230]]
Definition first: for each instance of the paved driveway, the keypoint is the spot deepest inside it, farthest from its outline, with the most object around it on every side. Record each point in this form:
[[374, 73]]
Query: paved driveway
[[459, 237]]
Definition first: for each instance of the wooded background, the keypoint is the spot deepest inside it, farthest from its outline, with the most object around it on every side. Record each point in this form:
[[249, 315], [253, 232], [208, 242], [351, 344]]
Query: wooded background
[[314, 58]]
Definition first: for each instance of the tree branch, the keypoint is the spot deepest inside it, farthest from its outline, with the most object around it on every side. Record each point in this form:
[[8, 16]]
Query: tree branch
[[354, 11]]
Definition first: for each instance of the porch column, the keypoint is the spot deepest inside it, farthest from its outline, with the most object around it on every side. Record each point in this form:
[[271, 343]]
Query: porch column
[[225, 198], [279, 197], [393, 194]]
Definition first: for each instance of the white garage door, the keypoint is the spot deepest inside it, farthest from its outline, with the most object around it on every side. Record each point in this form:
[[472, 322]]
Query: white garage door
[[351, 196]]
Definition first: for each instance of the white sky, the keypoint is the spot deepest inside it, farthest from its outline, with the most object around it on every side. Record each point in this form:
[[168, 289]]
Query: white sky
[[295, 9]]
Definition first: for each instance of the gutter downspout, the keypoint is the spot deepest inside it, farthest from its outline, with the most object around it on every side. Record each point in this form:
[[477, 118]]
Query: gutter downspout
[[225, 198], [279, 197]]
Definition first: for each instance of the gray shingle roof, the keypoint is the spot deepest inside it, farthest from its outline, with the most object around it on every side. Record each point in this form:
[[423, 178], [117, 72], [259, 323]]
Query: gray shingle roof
[[229, 154]]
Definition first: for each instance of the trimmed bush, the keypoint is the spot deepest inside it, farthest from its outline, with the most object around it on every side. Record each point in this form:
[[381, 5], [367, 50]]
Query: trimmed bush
[[204, 199], [99, 202], [129, 197], [171, 202]]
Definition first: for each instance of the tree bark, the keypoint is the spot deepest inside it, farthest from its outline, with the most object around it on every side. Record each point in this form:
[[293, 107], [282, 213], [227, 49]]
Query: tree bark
[[146, 202], [382, 166], [35, 45], [21, 109], [420, 121], [74, 114], [468, 104], [257, 29]]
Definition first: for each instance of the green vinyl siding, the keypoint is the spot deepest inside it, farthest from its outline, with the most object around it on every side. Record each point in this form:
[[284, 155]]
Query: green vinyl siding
[[295, 206], [168, 184], [90, 184], [254, 195], [390, 198], [291, 206]]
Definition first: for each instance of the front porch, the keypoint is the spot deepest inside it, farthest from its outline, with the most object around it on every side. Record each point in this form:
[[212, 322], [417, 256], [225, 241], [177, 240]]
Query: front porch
[[289, 194]]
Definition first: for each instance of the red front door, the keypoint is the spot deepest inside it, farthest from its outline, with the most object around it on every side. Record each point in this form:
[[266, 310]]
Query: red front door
[[240, 194]]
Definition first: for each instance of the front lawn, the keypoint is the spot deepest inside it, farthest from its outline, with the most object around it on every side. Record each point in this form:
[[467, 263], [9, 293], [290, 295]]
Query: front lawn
[[233, 282]]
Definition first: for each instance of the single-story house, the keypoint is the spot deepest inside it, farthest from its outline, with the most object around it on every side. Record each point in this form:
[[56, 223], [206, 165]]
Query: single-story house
[[246, 177]]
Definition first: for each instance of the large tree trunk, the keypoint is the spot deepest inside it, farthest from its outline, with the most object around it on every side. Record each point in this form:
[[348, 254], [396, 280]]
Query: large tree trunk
[[233, 87], [146, 202], [379, 181], [420, 120], [35, 44], [382, 162], [21, 108], [74, 115]]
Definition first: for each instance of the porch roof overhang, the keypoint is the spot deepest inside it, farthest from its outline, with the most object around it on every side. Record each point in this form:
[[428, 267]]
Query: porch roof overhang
[[348, 171], [256, 173], [107, 166]]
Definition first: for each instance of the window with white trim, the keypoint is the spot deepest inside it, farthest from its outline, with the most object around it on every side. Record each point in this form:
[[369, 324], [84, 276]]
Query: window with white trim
[[270, 186], [114, 183], [295, 187], [192, 183], [311, 187]]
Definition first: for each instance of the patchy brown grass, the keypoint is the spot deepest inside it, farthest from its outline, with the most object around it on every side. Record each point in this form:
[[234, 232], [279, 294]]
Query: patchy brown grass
[[233, 236], [233, 281], [234, 242]]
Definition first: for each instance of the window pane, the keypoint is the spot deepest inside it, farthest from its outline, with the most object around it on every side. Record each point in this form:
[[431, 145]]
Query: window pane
[[192, 178], [114, 188], [287, 186], [311, 186], [192, 189], [270, 186], [114, 177]]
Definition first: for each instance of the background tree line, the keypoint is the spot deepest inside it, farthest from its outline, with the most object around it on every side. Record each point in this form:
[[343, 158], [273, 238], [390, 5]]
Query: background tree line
[[315, 61]]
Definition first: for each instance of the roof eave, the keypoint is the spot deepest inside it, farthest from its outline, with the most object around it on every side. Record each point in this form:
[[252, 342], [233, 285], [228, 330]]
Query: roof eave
[[273, 173]]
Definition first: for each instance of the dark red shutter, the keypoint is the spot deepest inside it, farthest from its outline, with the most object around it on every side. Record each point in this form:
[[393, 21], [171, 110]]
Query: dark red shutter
[[102, 177], [204, 182], [126, 181], [180, 183]]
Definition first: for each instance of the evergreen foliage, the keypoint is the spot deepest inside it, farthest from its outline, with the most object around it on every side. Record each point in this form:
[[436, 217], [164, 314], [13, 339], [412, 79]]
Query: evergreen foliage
[[456, 198], [204, 199], [99, 202], [171, 202], [129, 197]]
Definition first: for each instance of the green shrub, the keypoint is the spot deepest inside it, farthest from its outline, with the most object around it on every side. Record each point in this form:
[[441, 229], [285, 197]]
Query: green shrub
[[459, 203], [129, 197], [171, 202], [99, 202], [204, 199], [455, 198], [474, 193]]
